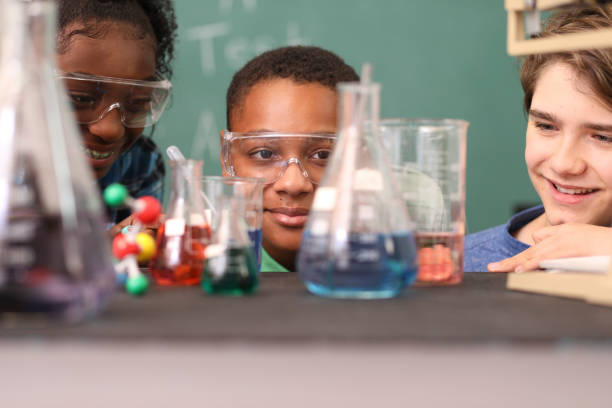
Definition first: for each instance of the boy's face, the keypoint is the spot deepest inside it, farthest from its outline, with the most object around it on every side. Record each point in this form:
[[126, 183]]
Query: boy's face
[[120, 54], [281, 105], [569, 149]]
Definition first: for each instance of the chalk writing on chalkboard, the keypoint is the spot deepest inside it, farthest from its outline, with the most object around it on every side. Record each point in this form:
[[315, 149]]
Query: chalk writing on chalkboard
[[224, 47], [206, 136], [218, 41], [226, 6]]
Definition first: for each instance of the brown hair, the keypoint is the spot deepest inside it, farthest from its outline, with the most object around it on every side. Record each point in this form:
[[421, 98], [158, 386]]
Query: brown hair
[[595, 66]]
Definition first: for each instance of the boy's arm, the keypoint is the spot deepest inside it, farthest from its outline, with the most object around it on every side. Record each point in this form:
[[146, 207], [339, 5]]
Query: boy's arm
[[150, 171], [560, 241], [146, 177]]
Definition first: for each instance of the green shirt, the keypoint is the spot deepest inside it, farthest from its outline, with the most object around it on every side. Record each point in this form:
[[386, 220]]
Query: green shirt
[[269, 264]]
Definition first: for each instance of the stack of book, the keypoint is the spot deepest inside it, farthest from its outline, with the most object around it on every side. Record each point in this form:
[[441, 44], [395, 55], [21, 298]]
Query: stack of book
[[585, 278]]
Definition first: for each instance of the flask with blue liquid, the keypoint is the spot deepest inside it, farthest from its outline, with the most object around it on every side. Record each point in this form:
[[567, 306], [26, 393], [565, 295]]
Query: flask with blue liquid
[[359, 241]]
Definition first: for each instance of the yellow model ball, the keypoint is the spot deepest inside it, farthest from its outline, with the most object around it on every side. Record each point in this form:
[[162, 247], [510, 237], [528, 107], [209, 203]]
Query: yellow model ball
[[147, 246]]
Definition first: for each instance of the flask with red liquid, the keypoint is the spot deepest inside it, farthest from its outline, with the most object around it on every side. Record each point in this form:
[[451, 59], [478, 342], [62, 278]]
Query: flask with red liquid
[[185, 233]]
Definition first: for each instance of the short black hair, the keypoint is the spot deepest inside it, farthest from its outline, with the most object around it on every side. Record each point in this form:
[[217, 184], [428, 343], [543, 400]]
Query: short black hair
[[154, 17], [302, 64]]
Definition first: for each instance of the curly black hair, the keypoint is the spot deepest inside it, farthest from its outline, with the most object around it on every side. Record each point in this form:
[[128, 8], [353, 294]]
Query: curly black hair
[[154, 17], [302, 64]]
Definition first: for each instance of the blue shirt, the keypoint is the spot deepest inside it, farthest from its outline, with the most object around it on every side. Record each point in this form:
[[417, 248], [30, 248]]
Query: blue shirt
[[497, 243], [141, 170]]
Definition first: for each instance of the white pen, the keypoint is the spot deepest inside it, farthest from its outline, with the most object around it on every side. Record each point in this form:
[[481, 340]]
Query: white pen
[[594, 264]]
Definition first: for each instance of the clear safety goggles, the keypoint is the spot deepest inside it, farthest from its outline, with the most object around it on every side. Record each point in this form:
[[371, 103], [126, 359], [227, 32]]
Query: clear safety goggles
[[267, 155], [140, 103]]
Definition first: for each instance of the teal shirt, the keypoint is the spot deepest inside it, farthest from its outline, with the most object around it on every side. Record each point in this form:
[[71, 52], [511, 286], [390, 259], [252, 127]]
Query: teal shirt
[[269, 264]]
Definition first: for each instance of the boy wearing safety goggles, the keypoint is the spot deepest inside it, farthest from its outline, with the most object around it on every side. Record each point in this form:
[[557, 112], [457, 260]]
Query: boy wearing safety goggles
[[281, 124], [113, 55], [568, 97]]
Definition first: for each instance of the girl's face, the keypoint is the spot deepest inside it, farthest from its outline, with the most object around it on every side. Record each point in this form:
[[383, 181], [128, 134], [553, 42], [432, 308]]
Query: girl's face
[[569, 149], [121, 53], [281, 105]]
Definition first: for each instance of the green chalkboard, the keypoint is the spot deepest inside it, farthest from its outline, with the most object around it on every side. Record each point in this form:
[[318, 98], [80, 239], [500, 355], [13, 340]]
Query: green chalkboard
[[434, 58]]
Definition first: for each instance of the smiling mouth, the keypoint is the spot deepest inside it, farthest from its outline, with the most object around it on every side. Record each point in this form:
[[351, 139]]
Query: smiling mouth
[[573, 191], [97, 155]]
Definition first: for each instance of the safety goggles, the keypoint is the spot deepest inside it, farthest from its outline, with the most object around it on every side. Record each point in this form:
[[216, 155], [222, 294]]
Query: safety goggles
[[140, 103], [267, 155]]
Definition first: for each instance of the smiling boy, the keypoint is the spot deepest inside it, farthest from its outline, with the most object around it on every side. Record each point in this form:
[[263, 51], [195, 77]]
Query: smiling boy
[[568, 153]]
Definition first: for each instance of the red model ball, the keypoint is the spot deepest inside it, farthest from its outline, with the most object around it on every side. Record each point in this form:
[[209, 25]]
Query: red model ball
[[122, 247], [147, 209]]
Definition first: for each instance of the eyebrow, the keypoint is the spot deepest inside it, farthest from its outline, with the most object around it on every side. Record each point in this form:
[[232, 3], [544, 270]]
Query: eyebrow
[[599, 127], [552, 118], [543, 115]]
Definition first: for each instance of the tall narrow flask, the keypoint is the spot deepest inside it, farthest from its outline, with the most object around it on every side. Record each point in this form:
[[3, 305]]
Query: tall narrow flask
[[185, 233], [54, 253], [358, 242]]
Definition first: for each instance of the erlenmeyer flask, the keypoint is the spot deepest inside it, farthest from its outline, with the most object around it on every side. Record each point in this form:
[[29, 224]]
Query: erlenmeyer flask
[[55, 256], [183, 237], [358, 241], [231, 267]]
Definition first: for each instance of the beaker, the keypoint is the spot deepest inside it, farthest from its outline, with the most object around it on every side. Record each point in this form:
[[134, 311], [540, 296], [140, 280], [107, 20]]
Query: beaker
[[54, 253], [428, 159], [217, 189], [185, 233], [231, 268], [358, 241]]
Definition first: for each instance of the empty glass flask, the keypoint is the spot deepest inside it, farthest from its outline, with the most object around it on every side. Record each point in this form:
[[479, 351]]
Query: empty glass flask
[[358, 242], [54, 253]]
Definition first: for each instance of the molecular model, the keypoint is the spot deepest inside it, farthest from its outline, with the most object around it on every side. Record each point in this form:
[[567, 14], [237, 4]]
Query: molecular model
[[132, 246]]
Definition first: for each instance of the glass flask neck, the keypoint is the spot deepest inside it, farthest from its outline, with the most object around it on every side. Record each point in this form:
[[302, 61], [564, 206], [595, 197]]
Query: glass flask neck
[[232, 231], [29, 33], [185, 197], [359, 107]]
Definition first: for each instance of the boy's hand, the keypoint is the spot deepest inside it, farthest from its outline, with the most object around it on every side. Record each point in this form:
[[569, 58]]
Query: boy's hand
[[150, 229], [560, 241]]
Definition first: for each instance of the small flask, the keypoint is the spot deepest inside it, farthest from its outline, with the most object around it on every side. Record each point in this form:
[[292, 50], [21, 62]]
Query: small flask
[[248, 189], [358, 242], [182, 238], [55, 256], [231, 267]]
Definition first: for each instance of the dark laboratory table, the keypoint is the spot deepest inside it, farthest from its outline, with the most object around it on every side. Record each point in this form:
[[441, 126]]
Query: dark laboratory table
[[479, 310], [472, 345]]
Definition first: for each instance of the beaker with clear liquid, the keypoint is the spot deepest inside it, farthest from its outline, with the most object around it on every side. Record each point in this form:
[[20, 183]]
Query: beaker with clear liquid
[[185, 233], [428, 160], [55, 258], [358, 242]]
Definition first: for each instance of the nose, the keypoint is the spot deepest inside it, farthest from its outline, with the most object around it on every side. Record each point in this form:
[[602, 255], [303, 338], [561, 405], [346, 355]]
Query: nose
[[293, 181], [109, 127], [567, 159]]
